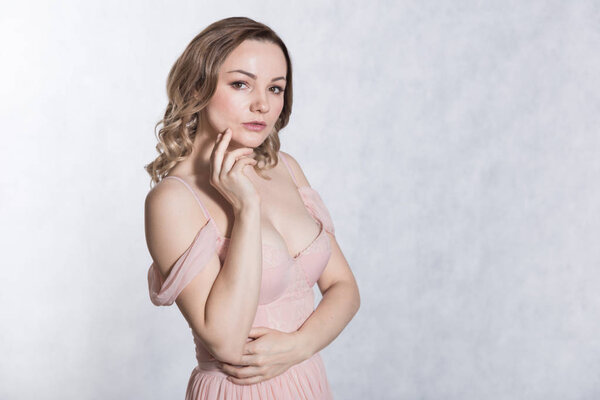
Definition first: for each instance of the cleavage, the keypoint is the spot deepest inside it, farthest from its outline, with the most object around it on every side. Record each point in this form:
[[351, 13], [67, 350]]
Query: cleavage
[[304, 235], [285, 220], [281, 206]]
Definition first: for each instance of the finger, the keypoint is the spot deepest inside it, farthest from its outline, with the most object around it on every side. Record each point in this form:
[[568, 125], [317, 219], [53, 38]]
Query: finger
[[241, 163], [226, 138], [248, 381], [232, 156], [248, 350], [254, 348], [258, 331], [219, 152], [249, 360], [241, 372], [215, 167]]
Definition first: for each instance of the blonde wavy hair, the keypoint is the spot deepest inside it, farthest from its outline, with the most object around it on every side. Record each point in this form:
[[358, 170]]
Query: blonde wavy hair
[[192, 82]]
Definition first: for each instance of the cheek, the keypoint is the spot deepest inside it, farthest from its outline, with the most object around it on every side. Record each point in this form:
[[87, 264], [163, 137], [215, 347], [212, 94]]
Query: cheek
[[222, 109], [280, 106], [223, 103]]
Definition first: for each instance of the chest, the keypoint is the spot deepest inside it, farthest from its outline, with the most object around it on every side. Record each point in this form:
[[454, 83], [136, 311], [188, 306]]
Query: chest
[[286, 223], [285, 220]]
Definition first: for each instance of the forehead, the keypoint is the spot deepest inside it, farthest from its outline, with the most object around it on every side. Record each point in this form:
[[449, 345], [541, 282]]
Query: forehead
[[264, 59]]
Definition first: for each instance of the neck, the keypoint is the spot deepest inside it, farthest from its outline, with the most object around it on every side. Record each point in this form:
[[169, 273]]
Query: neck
[[198, 162]]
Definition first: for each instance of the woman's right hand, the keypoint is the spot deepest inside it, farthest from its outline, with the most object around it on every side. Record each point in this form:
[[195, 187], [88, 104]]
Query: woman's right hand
[[226, 172]]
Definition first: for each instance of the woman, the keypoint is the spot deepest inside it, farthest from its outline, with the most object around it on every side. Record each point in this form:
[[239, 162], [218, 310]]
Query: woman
[[238, 239]]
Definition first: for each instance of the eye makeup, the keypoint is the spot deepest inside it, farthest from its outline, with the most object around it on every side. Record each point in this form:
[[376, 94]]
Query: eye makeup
[[233, 84]]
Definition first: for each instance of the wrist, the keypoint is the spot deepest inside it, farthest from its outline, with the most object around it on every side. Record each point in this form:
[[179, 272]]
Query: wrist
[[302, 345], [248, 208]]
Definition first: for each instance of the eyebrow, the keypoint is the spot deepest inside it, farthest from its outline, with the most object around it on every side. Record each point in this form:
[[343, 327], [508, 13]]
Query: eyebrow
[[254, 76]]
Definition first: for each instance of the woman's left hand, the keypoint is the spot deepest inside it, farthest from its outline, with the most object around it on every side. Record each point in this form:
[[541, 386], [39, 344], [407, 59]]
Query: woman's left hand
[[271, 353]]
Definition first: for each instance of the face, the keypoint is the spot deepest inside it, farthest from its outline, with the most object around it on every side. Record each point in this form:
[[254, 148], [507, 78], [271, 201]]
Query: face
[[250, 88]]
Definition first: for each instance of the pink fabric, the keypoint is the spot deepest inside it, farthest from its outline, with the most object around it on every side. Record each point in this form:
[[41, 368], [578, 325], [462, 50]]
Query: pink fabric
[[165, 291], [316, 207], [286, 301]]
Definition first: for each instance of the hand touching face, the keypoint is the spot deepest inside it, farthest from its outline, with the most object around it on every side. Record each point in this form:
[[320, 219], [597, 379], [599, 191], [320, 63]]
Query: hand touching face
[[250, 88]]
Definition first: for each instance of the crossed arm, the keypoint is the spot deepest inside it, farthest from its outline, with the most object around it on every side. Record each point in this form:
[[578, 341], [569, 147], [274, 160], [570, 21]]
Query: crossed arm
[[273, 352]]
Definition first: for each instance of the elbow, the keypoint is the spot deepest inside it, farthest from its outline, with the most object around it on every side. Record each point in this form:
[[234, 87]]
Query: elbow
[[223, 347], [220, 342], [227, 353]]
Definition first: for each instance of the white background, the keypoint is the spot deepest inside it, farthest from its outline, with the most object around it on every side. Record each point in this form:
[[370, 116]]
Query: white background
[[456, 145]]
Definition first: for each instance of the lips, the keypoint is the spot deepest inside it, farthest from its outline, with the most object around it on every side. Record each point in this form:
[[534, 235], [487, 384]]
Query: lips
[[255, 126]]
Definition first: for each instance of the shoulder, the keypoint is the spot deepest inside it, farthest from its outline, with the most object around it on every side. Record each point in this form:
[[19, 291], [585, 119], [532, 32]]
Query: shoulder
[[170, 199], [296, 169], [172, 218]]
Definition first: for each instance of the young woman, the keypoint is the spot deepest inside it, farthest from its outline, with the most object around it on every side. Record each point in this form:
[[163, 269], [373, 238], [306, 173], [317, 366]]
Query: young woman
[[238, 239]]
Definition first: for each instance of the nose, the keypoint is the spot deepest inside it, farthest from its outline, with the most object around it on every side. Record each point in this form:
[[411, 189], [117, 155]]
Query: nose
[[260, 103]]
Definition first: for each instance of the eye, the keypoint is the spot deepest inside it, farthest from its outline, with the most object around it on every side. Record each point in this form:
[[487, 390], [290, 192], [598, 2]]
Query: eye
[[279, 89], [238, 83]]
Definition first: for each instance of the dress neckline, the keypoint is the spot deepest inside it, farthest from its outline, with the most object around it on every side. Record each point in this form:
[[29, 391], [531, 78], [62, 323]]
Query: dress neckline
[[277, 248], [293, 258]]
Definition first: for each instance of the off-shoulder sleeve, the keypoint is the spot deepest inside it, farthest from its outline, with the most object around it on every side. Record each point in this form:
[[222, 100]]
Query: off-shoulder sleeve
[[164, 291], [317, 207]]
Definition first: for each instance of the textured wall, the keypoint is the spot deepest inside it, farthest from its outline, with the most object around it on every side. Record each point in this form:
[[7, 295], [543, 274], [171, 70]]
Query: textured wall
[[456, 145]]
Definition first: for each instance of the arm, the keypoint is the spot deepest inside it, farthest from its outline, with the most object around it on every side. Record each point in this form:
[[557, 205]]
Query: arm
[[341, 298], [220, 302], [233, 300], [273, 351], [340, 302]]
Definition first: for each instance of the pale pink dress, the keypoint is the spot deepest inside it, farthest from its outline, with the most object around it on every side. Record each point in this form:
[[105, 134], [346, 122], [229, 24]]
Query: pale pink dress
[[286, 300]]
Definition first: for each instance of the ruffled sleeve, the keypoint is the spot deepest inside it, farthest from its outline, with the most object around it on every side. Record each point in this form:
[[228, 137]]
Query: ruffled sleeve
[[163, 292], [317, 207]]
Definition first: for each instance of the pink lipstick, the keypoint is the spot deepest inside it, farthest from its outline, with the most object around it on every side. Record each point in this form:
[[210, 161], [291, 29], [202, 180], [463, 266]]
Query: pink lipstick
[[255, 126]]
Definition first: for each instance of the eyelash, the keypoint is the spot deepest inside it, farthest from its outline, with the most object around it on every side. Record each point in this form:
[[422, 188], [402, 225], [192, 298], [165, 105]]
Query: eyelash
[[281, 90]]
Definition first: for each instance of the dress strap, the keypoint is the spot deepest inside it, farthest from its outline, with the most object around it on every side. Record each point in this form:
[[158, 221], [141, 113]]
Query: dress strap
[[288, 167], [204, 210]]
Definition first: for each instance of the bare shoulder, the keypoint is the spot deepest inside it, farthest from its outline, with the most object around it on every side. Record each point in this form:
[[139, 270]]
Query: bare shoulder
[[172, 218], [295, 167], [170, 199]]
